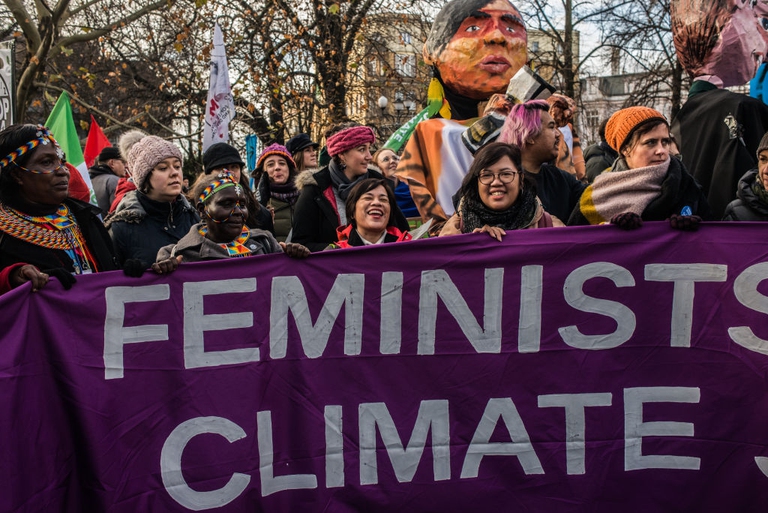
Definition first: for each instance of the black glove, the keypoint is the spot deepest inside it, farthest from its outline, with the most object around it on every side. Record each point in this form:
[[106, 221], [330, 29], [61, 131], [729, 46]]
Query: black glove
[[627, 221], [66, 278], [133, 268], [684, 223]]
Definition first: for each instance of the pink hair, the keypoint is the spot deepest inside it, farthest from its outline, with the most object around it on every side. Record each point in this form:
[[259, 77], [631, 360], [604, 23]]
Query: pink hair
[[523, 122]]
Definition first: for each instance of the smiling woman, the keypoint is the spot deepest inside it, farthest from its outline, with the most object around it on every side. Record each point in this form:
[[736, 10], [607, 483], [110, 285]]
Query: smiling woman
[[43, 232], [495, 196], [370, 206]]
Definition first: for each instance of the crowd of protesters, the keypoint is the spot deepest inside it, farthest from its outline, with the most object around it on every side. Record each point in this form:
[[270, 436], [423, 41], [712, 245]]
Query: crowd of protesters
[[144, 221]]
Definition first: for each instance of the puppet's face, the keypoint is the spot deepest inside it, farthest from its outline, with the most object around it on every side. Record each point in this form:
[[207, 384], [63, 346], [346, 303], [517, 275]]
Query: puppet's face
[[485, 52], [742, 46], [726, 38]]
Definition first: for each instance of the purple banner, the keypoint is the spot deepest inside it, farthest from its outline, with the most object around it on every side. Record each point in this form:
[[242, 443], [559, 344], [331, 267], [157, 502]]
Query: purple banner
[[579, 369]]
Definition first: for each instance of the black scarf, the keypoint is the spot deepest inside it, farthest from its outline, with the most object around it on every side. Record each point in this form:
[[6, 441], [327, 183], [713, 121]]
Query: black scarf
[[474, 213], [341, 183], [287, 192]]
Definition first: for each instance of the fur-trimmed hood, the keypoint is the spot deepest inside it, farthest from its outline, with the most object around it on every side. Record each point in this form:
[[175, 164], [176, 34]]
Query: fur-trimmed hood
[[306, 177]]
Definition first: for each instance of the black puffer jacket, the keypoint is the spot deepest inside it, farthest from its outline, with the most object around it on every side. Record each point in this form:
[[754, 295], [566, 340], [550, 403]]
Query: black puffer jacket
[[748, 206], [598, 158], [140, 226]]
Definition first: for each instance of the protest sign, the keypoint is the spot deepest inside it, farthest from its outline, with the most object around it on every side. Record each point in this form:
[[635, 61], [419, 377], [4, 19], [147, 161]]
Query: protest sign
[[579, 369]]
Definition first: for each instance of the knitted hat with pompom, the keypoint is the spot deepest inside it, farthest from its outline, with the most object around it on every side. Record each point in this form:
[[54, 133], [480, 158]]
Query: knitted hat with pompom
[[146, 154]]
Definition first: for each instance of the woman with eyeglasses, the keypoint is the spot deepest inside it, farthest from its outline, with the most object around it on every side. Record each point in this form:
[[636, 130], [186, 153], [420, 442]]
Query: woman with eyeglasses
[[43, 232], [495, 196]]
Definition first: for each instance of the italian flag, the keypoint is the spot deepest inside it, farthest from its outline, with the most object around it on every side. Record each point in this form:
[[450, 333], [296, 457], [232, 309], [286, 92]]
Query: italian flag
[[62, 126]]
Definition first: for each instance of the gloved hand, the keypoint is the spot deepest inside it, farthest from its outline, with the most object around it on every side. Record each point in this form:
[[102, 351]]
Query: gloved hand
[[627, 221], [66, 278], [133, 268], [684, 223]]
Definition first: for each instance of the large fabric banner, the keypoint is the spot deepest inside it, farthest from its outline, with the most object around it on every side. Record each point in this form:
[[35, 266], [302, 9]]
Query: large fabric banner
[[578, 369]]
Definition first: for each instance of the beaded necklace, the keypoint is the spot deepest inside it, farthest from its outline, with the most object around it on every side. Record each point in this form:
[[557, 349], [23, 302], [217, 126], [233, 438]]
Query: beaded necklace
[[235, 248], [55, 231]]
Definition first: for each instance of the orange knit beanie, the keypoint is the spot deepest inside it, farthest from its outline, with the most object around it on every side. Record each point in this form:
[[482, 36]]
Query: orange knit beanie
[[623, 122]]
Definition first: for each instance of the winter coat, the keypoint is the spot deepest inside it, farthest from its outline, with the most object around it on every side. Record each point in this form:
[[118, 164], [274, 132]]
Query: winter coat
[[141, 226], [718, 132], [680, 194], [598, 158], [748, 206], [558, 190], [193, 247], [104, 183], [282, 211], [124, 186], [15, 251], [349, 238], [316, 215]]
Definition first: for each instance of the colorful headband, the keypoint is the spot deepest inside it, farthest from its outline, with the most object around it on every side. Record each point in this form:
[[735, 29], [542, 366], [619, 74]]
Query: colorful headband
[[44, 136], [349, 138], [222, 182]]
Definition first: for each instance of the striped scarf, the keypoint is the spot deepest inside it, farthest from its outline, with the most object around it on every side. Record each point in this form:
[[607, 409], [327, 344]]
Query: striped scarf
[[622, 190]]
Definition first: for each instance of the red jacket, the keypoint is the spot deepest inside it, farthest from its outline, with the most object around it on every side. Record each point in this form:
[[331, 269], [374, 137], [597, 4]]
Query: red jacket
[[349, 238]]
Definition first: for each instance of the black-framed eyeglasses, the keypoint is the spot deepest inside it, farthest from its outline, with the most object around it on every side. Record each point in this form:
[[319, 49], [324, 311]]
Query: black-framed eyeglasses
[[487, 178]]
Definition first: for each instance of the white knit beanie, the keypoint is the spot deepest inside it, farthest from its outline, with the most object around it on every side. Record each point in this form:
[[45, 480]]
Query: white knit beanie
[[146, 154]]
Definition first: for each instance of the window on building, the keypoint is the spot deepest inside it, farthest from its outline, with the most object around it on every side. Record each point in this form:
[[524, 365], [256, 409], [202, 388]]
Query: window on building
[[535, 47], [593, 118], [405, 65], [405, 37]]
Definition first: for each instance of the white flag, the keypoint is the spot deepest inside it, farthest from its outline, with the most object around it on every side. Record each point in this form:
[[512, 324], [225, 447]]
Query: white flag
[[220, 107]]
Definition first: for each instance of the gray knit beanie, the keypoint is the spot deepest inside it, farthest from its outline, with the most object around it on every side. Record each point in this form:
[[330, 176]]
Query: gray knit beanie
[[763, 145], [146, 154]]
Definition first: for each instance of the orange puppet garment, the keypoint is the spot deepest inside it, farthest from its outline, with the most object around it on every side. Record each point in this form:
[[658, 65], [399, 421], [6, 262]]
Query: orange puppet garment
[[433, 164]]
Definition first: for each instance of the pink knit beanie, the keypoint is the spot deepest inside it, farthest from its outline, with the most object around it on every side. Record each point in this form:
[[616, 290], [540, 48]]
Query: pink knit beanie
[[146, 154], [275, 149]]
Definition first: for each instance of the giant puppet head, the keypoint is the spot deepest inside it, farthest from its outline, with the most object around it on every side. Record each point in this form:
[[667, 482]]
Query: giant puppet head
[[725, 38], [476, 46]]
